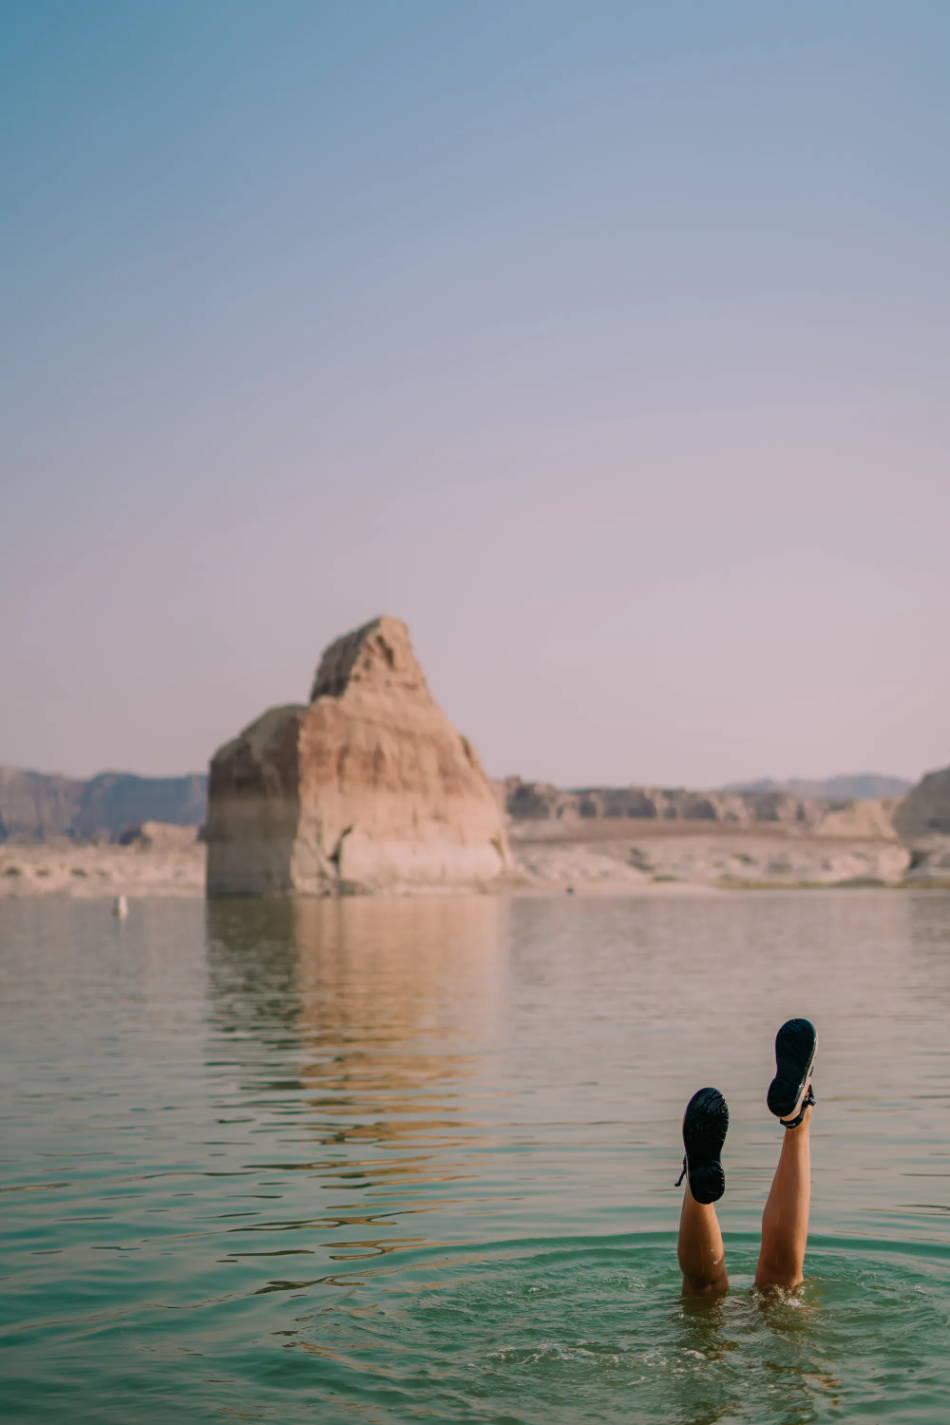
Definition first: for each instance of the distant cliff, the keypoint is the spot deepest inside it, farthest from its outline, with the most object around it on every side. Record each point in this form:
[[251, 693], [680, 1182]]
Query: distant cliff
[[925, 811], [527, 802], [923, 823], [36, 806], [852, 786]]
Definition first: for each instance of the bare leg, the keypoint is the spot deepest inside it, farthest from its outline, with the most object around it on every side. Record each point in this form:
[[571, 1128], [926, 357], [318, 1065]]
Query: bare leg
[[700, 1250], [785, 1219]]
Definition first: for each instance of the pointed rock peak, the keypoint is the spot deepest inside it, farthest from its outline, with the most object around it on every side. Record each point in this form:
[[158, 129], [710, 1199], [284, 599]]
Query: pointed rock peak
[[377, 656]]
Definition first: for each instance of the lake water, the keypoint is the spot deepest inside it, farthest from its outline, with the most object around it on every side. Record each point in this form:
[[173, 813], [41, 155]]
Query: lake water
[[384, 1161]]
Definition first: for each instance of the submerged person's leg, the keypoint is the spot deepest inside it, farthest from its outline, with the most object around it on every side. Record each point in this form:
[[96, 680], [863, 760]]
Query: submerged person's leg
[[700, 1248], [785, 1219]]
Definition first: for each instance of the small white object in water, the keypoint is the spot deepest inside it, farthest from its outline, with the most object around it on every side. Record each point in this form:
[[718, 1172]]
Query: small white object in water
[[120, 907]]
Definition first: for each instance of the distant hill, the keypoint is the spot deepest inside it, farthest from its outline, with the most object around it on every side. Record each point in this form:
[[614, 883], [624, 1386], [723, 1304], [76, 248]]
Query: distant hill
[[36, 806], [851, 786], [528, 804]]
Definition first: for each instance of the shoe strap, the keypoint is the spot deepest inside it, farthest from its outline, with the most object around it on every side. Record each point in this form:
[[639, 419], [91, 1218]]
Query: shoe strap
[[807, 1102]]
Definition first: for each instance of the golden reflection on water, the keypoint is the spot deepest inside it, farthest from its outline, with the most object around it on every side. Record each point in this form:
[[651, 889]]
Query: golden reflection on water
[[390, 1005], [394, 985]]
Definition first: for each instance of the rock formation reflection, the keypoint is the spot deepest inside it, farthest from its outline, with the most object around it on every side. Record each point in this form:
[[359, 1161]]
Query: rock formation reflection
[[359, 1028]]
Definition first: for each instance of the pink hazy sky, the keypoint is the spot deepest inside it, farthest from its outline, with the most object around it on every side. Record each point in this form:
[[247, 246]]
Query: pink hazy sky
[[606, 345]]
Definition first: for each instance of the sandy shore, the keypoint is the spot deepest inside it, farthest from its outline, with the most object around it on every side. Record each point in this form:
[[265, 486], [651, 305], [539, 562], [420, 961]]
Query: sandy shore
[[715, 856], [601, 858], [87, 872]]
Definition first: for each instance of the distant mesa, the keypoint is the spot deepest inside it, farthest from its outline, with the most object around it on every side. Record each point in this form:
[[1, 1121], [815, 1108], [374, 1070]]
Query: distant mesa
[[529, 803], [39, 806], [366, 787], [851, 786]]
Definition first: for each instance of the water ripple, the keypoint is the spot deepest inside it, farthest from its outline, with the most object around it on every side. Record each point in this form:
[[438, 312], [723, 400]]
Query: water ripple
[[408, 1159]]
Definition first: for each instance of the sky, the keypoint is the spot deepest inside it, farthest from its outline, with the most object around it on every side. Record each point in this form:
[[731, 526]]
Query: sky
[[606, 344]]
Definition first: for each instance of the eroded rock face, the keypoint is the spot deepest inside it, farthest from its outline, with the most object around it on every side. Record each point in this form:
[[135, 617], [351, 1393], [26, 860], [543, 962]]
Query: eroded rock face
[[368, 786], [925, 811]]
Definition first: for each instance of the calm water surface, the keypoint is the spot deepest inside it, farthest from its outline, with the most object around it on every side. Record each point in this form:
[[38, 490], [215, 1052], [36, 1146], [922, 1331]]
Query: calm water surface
[[393, 1161]]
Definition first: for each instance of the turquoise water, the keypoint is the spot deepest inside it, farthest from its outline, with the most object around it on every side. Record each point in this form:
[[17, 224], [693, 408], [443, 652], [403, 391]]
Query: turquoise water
[[390, 1161]]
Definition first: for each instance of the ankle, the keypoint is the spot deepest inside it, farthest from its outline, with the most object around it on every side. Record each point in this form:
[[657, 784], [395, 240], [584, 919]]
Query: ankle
[[795, 1130]]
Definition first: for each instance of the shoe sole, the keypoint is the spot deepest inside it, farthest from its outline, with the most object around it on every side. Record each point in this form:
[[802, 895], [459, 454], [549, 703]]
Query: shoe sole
[[704, 1132], [795, 1046]]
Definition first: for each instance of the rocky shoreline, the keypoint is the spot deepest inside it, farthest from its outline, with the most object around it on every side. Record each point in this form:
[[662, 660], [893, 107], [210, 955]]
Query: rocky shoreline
[[587, 858]]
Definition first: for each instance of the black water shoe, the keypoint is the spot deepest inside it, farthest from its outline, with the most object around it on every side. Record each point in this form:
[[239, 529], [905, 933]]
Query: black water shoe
[[704, 1132], [790, 1091]]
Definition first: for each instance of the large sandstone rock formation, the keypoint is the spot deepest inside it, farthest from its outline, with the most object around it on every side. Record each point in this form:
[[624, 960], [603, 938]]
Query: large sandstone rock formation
[[367, 786]]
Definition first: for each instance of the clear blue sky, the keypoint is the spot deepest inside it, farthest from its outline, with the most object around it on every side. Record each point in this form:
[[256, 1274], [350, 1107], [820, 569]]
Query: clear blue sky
[[605, 343]]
